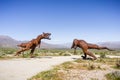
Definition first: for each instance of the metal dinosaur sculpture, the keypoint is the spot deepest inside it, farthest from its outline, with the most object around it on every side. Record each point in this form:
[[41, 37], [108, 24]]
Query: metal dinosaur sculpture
[[32, 44], [85, 46]]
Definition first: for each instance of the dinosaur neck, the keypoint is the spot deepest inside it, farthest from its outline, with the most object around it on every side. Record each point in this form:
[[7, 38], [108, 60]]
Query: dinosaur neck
[[39, 38]]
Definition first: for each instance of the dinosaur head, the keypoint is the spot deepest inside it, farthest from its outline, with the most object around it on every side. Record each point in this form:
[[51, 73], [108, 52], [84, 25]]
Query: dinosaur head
[[46, 36]]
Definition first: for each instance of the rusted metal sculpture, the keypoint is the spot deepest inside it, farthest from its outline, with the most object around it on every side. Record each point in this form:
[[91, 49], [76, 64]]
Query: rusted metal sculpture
[[85, 46], [32, 44]]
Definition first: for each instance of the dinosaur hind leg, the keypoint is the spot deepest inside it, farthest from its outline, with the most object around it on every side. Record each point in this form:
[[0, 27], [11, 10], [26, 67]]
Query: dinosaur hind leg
[[90, 54], [32, 51], [21, 50]]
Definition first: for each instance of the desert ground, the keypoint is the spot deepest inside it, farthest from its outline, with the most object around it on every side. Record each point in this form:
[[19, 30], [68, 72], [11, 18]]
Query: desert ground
[[25, 68]]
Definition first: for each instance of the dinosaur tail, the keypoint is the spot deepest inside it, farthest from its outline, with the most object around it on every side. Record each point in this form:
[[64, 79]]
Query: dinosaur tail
[[107, 48], [110, 49]]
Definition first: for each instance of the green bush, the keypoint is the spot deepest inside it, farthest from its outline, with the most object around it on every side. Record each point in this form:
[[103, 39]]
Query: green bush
[[102, 55], [48, 75], [25, 54], [113, 76], [117, 64], [91, 66]]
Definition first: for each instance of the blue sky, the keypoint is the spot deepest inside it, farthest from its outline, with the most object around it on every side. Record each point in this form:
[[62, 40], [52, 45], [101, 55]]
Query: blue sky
[[91, 20]]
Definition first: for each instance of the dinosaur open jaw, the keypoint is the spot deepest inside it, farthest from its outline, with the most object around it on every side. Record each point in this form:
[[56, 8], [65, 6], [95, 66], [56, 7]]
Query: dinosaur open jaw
[[48, 37]]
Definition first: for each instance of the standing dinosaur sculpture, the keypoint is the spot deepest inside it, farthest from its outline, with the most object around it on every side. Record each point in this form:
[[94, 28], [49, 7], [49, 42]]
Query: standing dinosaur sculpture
[[32, 44], [85, 46]]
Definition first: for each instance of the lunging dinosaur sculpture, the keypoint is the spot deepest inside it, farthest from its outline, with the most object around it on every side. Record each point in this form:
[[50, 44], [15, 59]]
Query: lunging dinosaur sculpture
[[32, 44], [85, 46]]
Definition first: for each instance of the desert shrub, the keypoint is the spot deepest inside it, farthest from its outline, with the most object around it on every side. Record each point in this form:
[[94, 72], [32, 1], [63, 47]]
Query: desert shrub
[[113, 76], [80, 61], [7, 50], [102, 55], [66, 53], [67, 65], [94, 79], [117, 64], [48, 75], [91, 66], [2, 53], [25, 54], [61, 53]]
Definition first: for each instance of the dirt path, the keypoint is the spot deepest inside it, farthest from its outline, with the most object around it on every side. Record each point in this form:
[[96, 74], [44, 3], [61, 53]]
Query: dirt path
[[24, 68]]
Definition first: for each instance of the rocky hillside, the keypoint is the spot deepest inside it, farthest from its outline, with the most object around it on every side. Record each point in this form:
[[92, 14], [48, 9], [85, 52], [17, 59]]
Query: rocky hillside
[[6, 41]]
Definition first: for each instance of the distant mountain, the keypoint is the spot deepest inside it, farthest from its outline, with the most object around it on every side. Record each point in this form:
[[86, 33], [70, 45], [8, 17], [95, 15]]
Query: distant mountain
[[112, 45], [67, 45], [46, 45], [6, 41]]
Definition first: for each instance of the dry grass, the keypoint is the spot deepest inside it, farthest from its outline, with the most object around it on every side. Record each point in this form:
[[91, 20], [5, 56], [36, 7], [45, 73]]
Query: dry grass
[[113, 75], [79, 69]]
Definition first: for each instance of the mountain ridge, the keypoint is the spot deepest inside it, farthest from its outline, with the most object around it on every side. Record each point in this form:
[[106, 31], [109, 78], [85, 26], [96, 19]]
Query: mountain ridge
[[6, 41]]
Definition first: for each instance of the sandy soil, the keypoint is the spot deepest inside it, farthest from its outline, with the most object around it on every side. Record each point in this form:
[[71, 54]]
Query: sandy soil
[[24, 68], [88, 74]]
